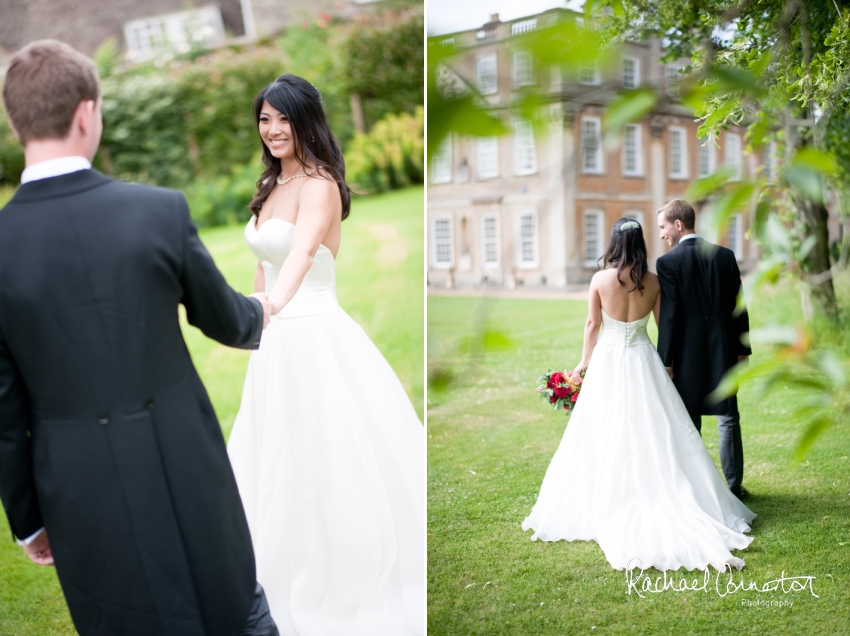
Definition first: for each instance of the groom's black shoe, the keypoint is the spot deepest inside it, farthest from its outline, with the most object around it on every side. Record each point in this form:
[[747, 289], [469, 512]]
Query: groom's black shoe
[[740, 492]]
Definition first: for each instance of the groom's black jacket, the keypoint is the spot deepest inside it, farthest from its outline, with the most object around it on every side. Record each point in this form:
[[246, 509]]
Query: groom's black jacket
[[107, 436], [698, 332]]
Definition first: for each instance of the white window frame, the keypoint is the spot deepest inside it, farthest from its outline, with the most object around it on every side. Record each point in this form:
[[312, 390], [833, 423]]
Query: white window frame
[[523, 141], [672, 79], [495, 240], [586, 79], [441, 162], [636, 79], [637, 215], [733, 155], [600, 165], [487, 168], [769, 161], [485, 87], [736, 222], [592, 259], [535, 241], [682, 173], [637, 169], [527, 69], [706, 151], [436, 242]]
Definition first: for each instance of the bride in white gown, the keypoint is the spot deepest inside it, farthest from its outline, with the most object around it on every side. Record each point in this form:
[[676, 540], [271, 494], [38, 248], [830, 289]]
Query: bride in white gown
[[631, 471], [327, 450]]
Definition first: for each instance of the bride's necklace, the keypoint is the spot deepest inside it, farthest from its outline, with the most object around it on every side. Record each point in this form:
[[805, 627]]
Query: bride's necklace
[[295, 176]]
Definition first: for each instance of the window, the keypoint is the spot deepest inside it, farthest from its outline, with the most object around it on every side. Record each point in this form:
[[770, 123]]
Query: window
[[769, 161], [706, 157], [443, 248], [735, 236], [525, 153], [488, 157], [487, 74], [490, 240], [176, 31], [732, 142], [632, 156], [588, 73], [441, 162], [522, 69], [593, 237], [528, 240], [631, 72], [673, 78], [678, 153], [637, 215], [591, 145]]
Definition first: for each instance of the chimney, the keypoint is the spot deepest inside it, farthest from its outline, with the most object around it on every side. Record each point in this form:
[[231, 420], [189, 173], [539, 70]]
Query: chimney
[[494, 17]]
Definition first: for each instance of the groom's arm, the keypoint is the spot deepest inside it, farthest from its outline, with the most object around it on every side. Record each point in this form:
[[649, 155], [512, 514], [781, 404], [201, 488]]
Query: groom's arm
[[742, 321], [670, 311], [211, 305], [17, 485]]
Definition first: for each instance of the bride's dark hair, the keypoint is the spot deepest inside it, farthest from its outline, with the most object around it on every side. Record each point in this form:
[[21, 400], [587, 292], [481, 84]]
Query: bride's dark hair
[[627, 250], [301, 102]]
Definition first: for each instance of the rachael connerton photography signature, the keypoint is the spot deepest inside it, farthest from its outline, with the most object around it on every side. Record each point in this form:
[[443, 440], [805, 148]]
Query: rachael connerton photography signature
[[639, 582]]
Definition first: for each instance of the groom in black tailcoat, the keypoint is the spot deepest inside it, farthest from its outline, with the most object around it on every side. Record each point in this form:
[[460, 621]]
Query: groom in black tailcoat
[[112, 462], [699, 333]]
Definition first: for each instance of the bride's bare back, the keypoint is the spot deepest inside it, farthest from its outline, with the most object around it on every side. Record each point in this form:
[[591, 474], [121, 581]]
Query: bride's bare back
[[618, 302]]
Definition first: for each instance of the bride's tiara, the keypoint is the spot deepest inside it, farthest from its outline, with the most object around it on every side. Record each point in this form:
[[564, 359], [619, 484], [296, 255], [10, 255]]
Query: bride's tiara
[[629, 225]]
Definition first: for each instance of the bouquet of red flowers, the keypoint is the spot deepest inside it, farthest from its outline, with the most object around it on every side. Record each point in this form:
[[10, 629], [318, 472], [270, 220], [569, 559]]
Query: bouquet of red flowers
[[559, 388]]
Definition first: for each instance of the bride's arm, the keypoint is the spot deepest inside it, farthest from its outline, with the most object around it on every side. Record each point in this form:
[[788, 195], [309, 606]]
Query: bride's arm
[[316, 210], [656, 308], [591, 327], [259, 279]]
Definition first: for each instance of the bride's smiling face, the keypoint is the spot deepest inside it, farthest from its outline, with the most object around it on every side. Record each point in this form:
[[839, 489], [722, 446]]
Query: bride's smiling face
[[276, 132]]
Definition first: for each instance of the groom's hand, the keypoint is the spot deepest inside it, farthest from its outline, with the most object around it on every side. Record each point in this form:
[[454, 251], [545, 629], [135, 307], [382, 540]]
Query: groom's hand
[[669, 371], [744, 359], [263, 297], [39, 550]]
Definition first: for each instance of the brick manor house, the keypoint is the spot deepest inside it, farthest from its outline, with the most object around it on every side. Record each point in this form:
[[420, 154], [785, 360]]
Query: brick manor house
[[537, 210]]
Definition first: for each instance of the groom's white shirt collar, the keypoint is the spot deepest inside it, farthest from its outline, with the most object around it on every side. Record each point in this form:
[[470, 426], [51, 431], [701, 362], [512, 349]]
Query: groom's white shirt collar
[[54, 168], [689, 236]]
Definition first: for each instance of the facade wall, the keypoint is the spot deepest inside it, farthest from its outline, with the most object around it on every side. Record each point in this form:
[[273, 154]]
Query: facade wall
[[571, 208]]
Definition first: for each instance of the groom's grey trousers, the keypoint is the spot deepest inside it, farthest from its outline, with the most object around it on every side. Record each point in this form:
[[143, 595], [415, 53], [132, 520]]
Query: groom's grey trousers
[[731, 447], [260, 622]]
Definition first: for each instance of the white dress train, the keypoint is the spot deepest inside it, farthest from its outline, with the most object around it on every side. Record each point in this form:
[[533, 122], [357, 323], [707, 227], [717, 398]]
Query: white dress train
[[632, 473], [328, 454]]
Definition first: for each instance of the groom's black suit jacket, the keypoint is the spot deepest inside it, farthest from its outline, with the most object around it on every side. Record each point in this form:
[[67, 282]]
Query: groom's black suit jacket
[[107, 436], [698, 332]]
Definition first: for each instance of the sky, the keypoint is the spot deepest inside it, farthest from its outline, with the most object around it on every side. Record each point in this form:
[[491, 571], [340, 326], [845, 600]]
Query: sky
[[448, 16]]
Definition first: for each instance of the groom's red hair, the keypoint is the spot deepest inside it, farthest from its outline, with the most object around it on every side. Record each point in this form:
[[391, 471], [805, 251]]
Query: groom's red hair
[[45, 82]]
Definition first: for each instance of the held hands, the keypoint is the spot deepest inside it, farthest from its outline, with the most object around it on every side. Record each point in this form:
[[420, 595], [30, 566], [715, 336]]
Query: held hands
[[39, 550], [263, 297]]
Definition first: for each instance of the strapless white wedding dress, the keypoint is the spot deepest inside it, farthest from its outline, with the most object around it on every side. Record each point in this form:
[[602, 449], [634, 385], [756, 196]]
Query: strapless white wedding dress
[[632, 473], [329, 457]]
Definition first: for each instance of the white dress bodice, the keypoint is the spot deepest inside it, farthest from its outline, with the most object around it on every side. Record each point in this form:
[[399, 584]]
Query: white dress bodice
[[623, 334], [317, 293]]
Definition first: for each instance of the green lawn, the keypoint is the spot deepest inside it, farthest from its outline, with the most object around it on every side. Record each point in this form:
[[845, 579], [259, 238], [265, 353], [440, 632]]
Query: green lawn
[[490, 440], [380, 284]]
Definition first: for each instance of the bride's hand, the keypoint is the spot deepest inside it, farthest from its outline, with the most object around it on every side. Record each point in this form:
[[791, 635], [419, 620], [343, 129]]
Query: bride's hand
[[575, 376], [276, 304]]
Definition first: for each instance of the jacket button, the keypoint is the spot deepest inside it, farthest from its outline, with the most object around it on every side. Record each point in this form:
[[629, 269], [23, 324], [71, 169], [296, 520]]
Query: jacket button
[[103, 418], [150, 403]]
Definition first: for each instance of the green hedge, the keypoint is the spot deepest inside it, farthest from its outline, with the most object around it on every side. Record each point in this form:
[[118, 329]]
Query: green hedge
[[390, 156], [181, 120]]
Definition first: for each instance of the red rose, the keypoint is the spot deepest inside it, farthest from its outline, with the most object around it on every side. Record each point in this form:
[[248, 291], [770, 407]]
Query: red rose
[[574, 397], [566, 407], [557, 378], [552, 399], [562, 392], [550, 384]]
